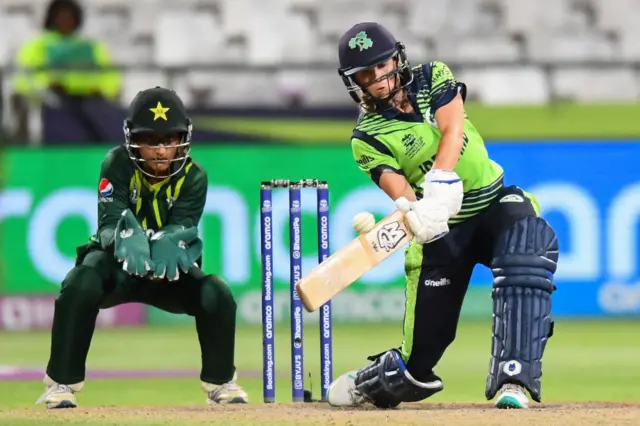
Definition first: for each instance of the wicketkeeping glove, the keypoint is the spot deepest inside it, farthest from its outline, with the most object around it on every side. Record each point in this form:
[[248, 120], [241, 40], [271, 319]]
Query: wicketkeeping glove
[[174, 250], [131, 246]]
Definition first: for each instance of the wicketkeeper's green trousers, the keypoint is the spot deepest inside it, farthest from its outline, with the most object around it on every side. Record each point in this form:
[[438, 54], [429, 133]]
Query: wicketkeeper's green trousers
[[98, 282]]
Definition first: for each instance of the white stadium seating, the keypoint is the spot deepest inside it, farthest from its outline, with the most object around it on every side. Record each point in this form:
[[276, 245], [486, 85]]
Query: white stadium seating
[[508, 51]]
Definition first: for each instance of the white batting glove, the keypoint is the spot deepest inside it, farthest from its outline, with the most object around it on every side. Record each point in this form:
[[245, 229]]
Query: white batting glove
[[363, 222], [426, 218], [446, 187]]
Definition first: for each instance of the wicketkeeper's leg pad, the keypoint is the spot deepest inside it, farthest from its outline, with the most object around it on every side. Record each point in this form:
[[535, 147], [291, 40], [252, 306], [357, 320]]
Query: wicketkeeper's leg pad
[[386, 382], [525, 259]]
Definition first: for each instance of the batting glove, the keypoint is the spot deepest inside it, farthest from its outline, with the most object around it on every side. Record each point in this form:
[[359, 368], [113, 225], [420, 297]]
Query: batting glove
[[427, 219], [446, 187]]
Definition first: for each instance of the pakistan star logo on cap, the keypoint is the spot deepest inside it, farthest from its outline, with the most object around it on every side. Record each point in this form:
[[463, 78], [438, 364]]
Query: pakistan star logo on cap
[[159, 112], [361, 40]]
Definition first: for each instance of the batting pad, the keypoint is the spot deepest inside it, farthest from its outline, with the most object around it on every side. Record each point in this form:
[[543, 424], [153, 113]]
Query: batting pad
[[524, 262]]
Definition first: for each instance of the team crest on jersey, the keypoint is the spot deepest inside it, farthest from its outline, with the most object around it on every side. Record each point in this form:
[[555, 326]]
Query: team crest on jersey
[[412, 144]]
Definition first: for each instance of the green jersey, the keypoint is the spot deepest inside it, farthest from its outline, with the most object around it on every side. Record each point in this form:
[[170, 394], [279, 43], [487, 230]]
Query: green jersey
[[176, 200], [407, 143]]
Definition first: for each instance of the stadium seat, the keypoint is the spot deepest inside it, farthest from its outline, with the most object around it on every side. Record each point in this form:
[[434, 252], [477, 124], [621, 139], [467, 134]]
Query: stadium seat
[[101, 4], [176, 47], [144, 17], [135, 81], [323, 88], [629, 46], [494, 48], [336, 18], [226, 88], [5, 48], [231, 88], [269, 33], [418, 50], [261, 25], [105, 25], [426, 18], [112, 27], [467, 18], [530, 17], [16, 30], [292, 4], [507, 85], [617, 15], [567, 47], [595, 85], [303, 47]]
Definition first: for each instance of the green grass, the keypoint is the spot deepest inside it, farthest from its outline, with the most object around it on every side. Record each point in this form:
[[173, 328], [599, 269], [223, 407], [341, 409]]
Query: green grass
[[562, 120], [585, 361]]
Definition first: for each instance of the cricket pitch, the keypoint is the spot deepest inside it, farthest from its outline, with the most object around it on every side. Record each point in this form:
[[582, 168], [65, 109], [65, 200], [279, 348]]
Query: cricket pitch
[[320, 414]]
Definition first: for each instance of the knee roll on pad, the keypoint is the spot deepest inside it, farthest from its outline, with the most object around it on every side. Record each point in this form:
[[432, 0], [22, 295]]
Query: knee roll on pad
[[525, 259], [386, 382]]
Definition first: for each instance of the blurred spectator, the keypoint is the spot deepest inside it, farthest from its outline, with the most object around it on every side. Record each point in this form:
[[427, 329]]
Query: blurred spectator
[[72, 77]]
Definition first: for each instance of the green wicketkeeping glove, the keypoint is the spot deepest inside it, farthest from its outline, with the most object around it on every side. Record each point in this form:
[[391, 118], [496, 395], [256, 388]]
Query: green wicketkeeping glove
[[174, 250], [131, 246]]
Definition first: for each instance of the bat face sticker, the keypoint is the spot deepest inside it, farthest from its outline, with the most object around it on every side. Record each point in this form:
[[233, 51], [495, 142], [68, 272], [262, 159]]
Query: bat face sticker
[[390, 235]]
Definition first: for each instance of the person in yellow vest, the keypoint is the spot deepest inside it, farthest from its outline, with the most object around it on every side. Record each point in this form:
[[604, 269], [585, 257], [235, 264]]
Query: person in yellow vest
[[64, 61]]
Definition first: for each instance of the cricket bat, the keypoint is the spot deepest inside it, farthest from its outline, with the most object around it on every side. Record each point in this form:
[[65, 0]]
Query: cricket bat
[[351, 262]]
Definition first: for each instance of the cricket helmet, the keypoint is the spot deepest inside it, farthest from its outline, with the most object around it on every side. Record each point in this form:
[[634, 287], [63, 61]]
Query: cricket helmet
[[364, 46], [154, 115]]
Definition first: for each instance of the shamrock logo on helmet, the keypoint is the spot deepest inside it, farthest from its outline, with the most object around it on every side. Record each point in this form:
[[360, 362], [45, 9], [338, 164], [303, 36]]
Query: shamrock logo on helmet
[[361, 41]]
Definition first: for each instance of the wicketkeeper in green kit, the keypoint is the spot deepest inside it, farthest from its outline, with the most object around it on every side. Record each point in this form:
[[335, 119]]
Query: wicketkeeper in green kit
[[146, 249]]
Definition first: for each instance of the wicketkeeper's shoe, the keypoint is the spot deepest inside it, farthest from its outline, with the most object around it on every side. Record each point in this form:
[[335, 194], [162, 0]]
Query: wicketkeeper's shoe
[[226, 393], [59, 396], [342, 391], [512, 396]]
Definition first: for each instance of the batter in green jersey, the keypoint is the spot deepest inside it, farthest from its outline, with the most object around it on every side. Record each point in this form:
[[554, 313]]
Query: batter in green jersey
[[151, 196], [415, 141], [406, 143]]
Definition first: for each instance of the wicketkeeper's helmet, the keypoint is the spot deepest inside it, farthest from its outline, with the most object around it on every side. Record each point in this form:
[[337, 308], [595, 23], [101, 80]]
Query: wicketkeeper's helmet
[[158, 112]]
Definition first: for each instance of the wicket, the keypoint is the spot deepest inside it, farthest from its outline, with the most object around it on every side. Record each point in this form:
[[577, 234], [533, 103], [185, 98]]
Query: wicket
[[295, 259]]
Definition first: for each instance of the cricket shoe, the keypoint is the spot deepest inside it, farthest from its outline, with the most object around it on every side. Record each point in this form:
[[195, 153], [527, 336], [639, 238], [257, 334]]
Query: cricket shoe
[[226, 393], [342, 391], [59, 396], [512, 396]]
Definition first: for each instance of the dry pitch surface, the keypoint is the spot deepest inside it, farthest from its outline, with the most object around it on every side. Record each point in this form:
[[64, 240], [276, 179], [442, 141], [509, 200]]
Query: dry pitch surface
[[316, 414]]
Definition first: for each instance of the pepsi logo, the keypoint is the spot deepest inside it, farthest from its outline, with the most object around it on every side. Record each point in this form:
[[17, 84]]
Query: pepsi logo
[[105, 188]]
